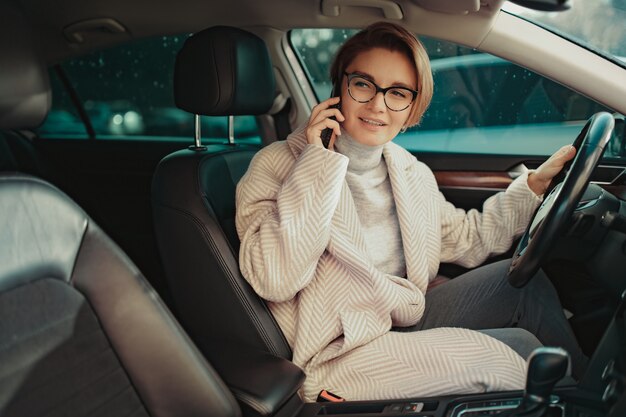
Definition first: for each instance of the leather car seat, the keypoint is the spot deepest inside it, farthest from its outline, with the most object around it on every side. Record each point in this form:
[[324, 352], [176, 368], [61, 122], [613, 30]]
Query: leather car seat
[[81, 331], [219, 71]]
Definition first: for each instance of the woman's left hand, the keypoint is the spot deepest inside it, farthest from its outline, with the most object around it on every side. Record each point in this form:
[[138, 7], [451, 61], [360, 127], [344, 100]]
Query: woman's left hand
[[539, 180]]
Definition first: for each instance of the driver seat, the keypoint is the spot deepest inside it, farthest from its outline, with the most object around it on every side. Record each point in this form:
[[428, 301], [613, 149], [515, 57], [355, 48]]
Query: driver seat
[[220, 71]]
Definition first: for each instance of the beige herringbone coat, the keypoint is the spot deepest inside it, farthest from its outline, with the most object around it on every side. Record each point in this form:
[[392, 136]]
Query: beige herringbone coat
[[302, 250]]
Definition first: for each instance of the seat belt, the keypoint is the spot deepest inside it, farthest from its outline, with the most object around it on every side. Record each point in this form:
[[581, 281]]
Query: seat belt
[[326, 396]]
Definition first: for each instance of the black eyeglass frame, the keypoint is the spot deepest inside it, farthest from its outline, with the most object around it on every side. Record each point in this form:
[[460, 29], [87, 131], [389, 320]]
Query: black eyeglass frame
[[350, 76]]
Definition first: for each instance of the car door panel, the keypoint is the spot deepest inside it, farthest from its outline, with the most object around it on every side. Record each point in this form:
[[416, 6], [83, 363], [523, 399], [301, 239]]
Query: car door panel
[[474, 178], [477, 177]]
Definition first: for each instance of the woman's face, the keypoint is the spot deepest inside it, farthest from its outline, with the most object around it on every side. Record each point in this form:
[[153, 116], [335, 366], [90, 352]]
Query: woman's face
[[372, 123]]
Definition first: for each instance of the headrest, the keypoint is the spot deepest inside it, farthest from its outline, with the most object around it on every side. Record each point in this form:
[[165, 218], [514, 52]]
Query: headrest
[[24, 84], [224, 71], [41, 231]]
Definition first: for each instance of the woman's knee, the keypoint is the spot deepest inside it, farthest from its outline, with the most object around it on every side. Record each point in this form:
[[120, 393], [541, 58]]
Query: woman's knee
[[520, 340]]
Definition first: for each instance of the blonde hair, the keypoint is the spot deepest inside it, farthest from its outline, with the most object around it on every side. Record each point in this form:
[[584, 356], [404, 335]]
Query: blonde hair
[[393, 38]]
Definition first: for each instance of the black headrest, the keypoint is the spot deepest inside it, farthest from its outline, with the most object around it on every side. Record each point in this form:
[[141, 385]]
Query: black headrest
[[224, 71], [24, 85]]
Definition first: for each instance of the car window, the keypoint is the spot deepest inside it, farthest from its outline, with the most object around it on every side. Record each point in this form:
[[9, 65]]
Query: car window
[[481, 103], [127, 92]]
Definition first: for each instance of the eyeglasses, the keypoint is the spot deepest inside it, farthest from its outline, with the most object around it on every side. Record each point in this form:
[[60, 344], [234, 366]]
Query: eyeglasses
[[363, 90]]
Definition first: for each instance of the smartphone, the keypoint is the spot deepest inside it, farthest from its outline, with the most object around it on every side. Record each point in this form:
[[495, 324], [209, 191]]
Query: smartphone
[[328, 132]]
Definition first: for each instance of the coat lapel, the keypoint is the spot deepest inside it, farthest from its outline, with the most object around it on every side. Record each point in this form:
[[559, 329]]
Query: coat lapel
[[412, 207], [346, 242]]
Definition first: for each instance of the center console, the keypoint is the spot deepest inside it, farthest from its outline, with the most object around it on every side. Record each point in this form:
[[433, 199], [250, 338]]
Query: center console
[[477, 405], [566, 401]]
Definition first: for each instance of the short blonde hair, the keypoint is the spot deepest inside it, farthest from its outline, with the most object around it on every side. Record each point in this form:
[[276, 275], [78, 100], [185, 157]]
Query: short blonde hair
[[393, 38]]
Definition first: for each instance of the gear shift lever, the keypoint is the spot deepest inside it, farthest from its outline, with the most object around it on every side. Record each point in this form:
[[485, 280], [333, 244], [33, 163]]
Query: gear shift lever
[[546, 366]]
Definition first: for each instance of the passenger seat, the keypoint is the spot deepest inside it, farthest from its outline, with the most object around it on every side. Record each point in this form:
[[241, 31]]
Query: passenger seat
[[81, 331]]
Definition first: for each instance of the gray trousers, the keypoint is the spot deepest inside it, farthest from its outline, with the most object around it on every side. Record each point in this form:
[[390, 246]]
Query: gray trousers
[[523, 318]]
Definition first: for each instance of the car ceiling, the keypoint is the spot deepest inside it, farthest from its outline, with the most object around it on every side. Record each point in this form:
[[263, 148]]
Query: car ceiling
[[473, 23], [468, 20]]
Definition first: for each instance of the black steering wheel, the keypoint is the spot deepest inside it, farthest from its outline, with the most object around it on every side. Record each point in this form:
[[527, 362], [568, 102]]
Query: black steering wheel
[[559, 204]]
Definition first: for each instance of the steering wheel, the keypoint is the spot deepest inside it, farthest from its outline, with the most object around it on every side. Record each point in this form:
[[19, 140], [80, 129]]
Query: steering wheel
[[551, 218]]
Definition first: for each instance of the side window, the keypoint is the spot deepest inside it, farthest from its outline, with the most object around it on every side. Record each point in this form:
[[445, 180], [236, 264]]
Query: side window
[[481, 103], [127, 93], [316, 49]]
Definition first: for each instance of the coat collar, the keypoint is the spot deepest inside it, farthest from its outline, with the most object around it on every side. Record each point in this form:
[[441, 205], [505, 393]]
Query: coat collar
[[411, 205], [394, 155], [412, 202]]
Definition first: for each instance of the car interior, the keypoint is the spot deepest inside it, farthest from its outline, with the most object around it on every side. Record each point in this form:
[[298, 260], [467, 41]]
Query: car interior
[[120, 290]]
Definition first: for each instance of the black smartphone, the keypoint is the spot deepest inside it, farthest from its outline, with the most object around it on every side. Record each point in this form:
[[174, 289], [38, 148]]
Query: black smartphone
[[328, 132]]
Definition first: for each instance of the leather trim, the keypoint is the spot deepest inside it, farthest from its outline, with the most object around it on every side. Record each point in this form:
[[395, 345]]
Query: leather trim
[[201, 265], [260, 381], [170, 375], [52, 238], [41, 229]]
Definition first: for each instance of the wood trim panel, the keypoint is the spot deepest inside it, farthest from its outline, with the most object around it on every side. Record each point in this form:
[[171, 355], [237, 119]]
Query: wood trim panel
[[497, 180], [469, 179]]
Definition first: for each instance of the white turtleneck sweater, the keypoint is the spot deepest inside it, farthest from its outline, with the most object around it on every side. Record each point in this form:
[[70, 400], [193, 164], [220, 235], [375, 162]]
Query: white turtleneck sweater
[[368, 180]]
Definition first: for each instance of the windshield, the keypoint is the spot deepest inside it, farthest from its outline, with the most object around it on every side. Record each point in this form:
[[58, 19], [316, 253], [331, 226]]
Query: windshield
[[597, 24]]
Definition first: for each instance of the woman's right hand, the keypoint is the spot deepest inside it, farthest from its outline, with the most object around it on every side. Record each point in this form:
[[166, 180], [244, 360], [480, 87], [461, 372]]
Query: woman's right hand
[[320, 119]]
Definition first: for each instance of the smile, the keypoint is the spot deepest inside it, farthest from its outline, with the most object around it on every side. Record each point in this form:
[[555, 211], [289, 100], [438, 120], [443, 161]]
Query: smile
[[372, 122]]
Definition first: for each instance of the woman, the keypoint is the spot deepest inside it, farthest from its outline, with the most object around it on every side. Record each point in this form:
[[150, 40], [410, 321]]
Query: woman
[[343, 242]]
